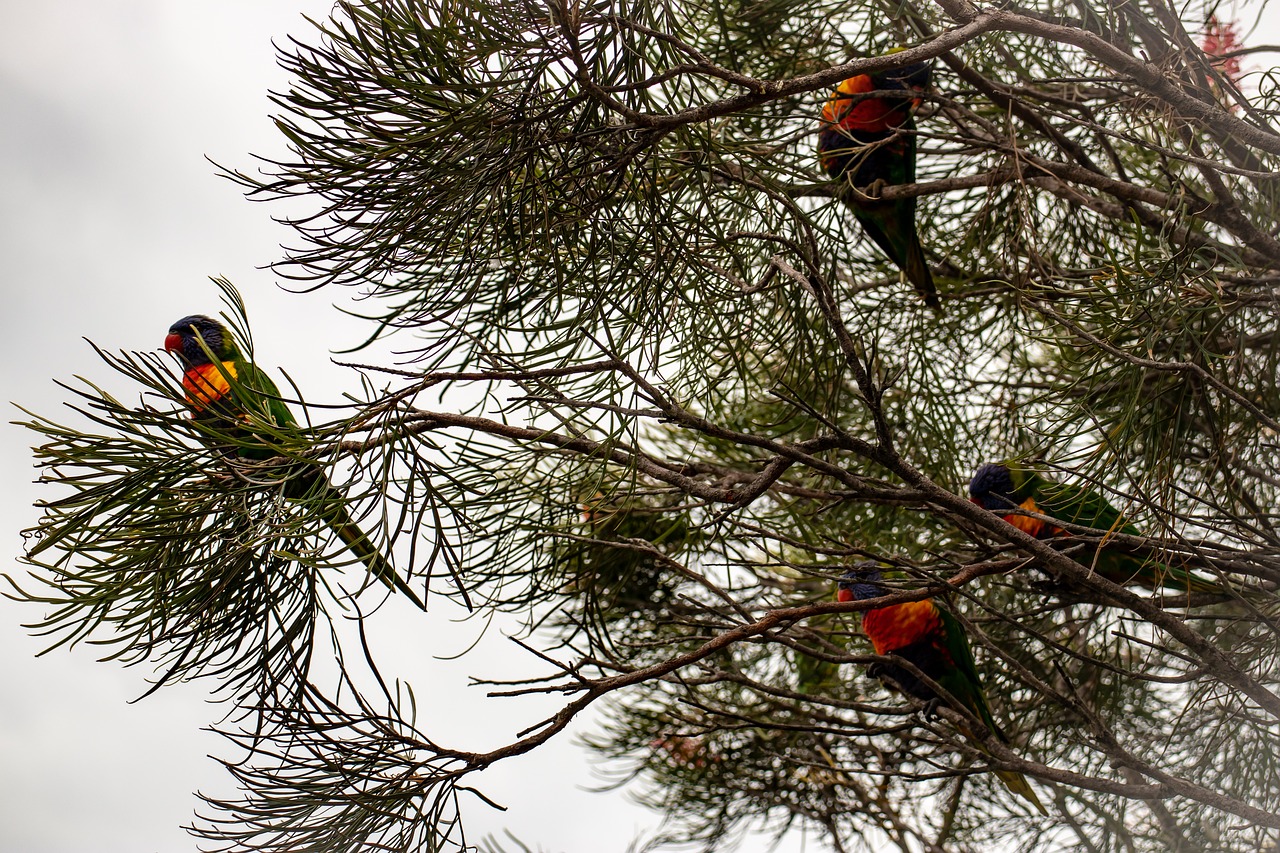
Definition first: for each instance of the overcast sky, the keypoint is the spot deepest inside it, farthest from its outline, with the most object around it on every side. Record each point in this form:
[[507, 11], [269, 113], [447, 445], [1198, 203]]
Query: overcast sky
[[111, 222]]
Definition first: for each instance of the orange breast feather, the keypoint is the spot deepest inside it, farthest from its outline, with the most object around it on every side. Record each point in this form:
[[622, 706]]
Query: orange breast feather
[[207, 383], [901, 625], [1033, 526], [868, 114]]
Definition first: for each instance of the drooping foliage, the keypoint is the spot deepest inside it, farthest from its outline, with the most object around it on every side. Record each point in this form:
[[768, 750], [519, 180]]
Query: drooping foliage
[[660, 392]]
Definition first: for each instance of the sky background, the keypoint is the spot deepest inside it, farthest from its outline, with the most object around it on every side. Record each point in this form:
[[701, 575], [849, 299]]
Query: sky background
[[112, 220]]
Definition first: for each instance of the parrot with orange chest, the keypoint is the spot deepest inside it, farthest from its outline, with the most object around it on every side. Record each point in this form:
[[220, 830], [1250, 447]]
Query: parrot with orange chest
[[1009, 490], [867, 142], [933, 641], [227, 392]]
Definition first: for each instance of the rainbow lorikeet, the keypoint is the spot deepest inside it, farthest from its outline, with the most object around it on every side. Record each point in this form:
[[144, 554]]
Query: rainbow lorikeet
[[931, 639], [221, 386], [1001, 486], [868, 143]]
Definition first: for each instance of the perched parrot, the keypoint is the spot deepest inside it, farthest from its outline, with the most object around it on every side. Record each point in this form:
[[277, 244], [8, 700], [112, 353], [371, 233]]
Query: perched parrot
[[931, 639], [868, 143], [215, 401], [1001, 486]]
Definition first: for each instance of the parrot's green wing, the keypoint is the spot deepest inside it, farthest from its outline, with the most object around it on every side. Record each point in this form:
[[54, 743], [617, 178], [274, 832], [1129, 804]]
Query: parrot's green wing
[[963, 683], [270, 403], [892, 224], [1077, 505], [1088, 508]]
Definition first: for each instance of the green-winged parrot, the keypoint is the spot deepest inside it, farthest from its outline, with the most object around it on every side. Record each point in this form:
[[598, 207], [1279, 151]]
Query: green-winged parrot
[[1002, 486], [869, 142], [931, 639], [219, 390]]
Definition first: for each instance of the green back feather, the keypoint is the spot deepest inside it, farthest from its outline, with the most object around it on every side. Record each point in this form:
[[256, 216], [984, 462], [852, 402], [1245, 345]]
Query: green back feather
[[964, 684], [254, 380], [267, 434], [963, 681], [1088, 508]]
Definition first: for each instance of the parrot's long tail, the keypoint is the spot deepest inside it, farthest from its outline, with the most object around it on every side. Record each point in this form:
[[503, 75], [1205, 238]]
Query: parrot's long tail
[[358, 543], [1172, 577], [1013, 780], [1018, 784], [332, 509], [893, 230], [917, 271], [1155, 575]]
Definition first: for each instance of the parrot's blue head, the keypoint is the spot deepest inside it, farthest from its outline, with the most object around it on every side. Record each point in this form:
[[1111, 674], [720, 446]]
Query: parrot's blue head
[[185, 335], [860, 582], [992, 487]]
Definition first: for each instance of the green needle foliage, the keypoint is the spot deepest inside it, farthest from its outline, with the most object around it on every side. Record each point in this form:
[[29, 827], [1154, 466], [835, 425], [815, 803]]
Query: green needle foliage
[[660, 391], [165, 550], [170, 547]]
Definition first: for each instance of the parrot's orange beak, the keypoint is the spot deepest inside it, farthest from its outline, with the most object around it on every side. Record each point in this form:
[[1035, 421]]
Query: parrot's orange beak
[[844, 595], [173, 343]]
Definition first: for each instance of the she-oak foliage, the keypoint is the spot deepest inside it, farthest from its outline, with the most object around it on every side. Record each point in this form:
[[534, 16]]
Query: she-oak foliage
[[663, 392]]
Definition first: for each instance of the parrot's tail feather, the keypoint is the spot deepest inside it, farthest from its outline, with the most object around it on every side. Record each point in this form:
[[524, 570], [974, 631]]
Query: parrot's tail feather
[[1014, 781], [917, 272], [359, 544], [905, 251], [1018, 784], [1183, 580], [1175, 578]]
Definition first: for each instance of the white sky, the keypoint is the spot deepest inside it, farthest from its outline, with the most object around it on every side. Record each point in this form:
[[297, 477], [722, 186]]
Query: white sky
[[111, 222]]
